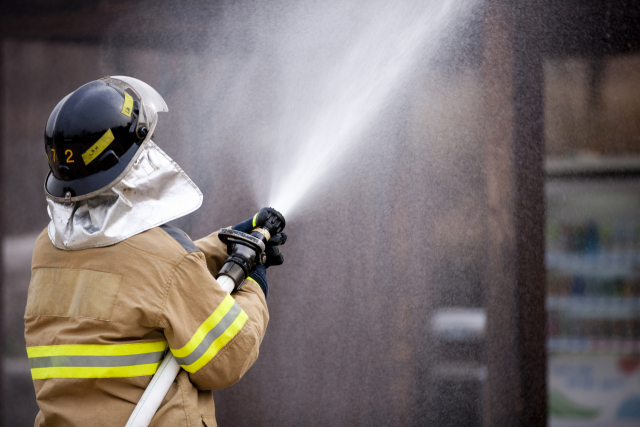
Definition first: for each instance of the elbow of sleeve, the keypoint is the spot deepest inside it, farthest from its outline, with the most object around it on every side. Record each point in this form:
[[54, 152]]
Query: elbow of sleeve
[[230, 365]]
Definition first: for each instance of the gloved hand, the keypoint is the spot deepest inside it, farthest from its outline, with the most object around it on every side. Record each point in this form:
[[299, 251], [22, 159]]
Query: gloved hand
[[259, 275], [274, 257], [272, 250]]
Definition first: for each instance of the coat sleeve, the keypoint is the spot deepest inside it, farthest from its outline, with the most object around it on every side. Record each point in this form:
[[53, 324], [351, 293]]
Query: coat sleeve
[[213, 335], [215, 252]]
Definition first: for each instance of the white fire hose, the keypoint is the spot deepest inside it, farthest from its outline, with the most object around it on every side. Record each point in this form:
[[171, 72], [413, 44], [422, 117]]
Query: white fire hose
[[162, 380]]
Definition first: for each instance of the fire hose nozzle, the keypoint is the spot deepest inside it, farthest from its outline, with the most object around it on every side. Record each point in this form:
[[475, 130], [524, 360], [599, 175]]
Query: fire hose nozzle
[[271, 222], [248, 250], [245, 251]]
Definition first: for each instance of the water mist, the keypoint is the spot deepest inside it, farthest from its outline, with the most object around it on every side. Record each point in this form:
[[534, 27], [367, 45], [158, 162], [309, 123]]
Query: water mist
[[339, 69]]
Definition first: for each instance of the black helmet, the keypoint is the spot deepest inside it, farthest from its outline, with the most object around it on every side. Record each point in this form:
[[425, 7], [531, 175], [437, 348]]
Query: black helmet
[[94, 135]]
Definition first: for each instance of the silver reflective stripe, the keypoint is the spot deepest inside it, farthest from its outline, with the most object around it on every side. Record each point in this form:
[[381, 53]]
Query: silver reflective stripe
[[213, 335], [95, 361]]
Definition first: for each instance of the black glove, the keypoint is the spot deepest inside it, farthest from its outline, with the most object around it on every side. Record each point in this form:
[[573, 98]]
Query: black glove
[[272, 249], [259, 275], [274, 257]]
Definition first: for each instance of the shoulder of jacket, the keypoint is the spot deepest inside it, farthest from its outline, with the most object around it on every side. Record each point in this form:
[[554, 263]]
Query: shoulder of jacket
[[43, 238], [165, 241], [180, 237], [42, 246]]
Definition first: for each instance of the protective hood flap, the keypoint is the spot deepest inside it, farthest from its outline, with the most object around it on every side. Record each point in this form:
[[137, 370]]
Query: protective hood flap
[[154, 191]]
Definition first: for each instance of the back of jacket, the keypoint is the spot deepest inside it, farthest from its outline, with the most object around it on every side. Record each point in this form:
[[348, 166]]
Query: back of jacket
[[98, 321]]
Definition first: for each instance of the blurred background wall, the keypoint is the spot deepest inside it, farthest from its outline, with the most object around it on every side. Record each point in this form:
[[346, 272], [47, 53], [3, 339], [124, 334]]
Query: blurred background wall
[[481, 268]]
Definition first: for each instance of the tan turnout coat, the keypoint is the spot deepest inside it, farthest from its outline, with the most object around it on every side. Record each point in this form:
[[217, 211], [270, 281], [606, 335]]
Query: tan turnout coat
[[98, 321]]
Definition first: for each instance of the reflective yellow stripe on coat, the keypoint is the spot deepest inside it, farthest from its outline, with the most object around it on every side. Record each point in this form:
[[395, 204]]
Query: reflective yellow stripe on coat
[[220, 328], [95, 361]]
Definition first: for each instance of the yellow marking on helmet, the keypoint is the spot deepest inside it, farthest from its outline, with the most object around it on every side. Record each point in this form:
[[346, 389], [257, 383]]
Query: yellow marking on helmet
[[96, 149], [128, 105], [254, 218]]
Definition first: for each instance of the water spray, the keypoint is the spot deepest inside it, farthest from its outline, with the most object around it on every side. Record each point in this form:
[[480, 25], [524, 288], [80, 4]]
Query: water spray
[[343, 102], [348, 98], [245, 250]]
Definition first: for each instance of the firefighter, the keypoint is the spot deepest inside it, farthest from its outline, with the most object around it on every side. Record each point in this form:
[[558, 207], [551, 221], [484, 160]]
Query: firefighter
[[113, 286]]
